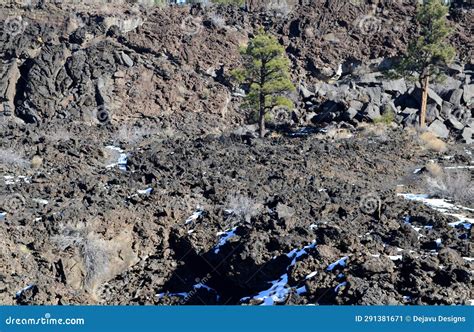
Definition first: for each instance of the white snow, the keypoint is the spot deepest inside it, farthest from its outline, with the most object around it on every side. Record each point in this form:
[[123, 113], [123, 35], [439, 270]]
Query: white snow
[[10, 179], [122, 159], [146, 191], [280, 289], [225, 236], [301, 290], [341, 262], [342, 284], [469, 259], [196, 215], [3, 215], [40, 201], [277, 293], [312, 274], [459, 167], [395, 257], [443, 206], [21, 291]]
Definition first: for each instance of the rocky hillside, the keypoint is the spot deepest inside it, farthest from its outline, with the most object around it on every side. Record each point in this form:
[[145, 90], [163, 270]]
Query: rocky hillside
[[64, 64], [130, 174]]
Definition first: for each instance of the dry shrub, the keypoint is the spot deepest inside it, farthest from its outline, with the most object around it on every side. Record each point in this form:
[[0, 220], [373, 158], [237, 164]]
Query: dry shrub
[[132, 134], [217, 21], [278, 7], [58, 135], [434, 169], [431, 142], [242, 209], [13, 157], [36, 162], [373, 130], [94, 252], [456, 185]]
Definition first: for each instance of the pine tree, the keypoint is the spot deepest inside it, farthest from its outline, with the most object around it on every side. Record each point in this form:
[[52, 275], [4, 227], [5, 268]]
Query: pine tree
[[428, 54], [266, 70]]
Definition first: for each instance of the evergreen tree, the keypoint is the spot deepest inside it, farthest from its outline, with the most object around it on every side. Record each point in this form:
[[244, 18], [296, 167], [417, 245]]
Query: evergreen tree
[[429, 53], [266, 70]]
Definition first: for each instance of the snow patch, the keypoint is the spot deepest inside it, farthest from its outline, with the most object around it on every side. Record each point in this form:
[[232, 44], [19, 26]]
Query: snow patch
[[40, 201], [459, 167], [301, 290], [122, 159], [395, 257], [280, 289], [10, 179], [443, 206], [225, 236], [341, 262], [21, 291], [195, 216], [146, 191], [342, 284]]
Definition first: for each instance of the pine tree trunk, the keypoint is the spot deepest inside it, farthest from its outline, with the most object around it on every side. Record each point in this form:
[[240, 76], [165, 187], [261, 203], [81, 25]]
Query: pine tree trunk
[[262, 125], [261, 102], [424, 101], [261, 116]]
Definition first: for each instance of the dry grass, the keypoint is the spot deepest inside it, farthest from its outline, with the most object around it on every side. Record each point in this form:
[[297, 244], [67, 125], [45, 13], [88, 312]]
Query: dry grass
[[13, 157], [242, 209], [429, 141], [58, 135], [279, 7], [93, 250], [133, 134], [36, 162], [217, 21], [456, 185], [434, 169], [373, 130]]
